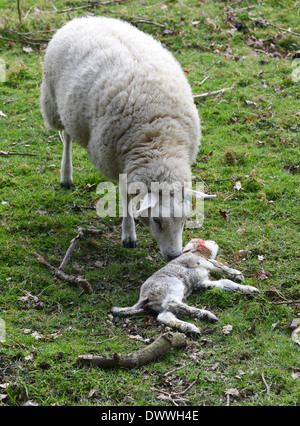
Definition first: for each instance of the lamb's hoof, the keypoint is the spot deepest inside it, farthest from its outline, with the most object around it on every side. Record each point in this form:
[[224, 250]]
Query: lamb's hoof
[[67, 184], [250, 290], [129, 243], [238, 278], [212, 318], [194, 334]]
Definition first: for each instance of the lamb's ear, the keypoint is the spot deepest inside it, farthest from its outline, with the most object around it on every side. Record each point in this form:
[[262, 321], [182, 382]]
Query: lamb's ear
[[192, 195], [148, 202]]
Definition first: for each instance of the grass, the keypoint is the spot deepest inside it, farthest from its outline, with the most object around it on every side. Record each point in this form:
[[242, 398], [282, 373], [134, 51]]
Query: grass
[[250, 135]]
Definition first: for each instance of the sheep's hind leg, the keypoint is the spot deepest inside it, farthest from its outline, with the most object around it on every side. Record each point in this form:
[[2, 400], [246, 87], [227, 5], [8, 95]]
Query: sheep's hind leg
[[66, 173]]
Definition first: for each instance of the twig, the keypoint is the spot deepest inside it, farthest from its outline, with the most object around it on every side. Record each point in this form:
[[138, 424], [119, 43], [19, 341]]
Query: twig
[[17, 153], [19, 11], [59, 272], [136, 20], [266, 384], [88, 6], [214, 92], [268, 24], [70, 250], [163, 344], [203, 81], [21, 41], [24, 35]]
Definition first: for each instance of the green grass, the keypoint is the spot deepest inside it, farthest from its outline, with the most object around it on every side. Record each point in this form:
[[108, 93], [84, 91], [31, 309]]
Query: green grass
[[255, 143]]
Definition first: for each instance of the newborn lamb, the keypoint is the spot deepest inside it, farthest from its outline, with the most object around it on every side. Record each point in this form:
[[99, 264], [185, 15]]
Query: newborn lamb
[[165, 290]]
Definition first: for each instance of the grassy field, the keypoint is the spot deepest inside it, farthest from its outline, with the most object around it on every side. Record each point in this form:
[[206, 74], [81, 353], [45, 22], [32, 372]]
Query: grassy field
[[249, 158]]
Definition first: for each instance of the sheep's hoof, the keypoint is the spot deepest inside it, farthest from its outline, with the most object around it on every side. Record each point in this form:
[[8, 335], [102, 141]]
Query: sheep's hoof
[[66, 185], [129, 243]]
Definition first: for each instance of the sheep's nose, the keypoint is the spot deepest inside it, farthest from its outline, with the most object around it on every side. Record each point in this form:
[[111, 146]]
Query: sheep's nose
[[170, 257]]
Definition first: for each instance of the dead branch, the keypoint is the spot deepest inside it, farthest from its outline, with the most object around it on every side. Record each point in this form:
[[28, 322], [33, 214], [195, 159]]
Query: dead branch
[[214, 92], [79, 282], [268, 24], [163, 344]]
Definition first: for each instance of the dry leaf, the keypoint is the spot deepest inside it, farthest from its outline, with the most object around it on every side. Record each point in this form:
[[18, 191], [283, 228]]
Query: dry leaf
[[38, 336], [227, 329], [237, 185], [296, 375], [250, 103], [232, 392], [31, 356], [27, 49], [296, 336], [223, 213]]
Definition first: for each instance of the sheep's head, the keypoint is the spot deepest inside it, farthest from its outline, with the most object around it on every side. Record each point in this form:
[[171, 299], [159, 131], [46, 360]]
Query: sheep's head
[[165, 218], [207, 249]]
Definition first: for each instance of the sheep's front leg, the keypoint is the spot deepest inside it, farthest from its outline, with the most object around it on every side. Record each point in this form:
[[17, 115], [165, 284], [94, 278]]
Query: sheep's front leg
[[66, 172], [128, 226]]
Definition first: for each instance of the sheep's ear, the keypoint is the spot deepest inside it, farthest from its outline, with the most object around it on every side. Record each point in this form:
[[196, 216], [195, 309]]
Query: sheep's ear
[[192, 195], [148, 202]]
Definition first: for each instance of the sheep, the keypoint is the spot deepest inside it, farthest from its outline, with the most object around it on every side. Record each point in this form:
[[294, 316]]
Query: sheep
[[165, 290], [121, 95]]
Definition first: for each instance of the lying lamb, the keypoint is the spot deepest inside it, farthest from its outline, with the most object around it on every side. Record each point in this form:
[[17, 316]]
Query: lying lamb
[[121, 95], [164, 291]]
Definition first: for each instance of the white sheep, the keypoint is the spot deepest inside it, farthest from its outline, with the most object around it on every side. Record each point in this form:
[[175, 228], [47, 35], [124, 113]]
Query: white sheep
[[121, 95], [164, 291]]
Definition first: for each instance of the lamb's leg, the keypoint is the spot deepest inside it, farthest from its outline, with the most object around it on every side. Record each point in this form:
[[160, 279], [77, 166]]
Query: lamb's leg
[[219, 267], [126, 311], [227, 285], [181, 308], [66, 173], [169, 319], [130, 310]]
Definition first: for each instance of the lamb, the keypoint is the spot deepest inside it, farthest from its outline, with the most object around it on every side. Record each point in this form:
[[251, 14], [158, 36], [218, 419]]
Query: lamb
[[122, 96], [164, 291]]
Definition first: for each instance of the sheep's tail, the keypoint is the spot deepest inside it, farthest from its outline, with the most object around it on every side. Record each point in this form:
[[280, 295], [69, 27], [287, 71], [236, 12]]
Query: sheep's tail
[[130, 310]]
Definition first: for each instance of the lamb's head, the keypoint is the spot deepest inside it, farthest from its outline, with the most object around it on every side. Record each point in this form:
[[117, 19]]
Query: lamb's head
[[166, 218], [207, 249]]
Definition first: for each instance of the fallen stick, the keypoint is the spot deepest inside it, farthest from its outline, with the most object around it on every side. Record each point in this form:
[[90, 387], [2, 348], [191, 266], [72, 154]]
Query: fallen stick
[[163, 344], [214, 92], [17, 153], [79, 282]]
